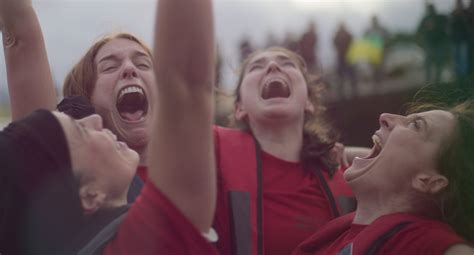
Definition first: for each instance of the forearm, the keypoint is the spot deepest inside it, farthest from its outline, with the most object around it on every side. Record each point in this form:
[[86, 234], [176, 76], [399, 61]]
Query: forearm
[[30, 83], [353, 151], [182, 161]]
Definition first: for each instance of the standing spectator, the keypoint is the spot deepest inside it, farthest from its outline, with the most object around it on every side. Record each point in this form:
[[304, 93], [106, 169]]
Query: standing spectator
[[245, 48], [271, 40], [342, 40], [470, 44], [378, 36], [308, 45], [291, 42], [218, 65], [432, 36], [459, 37]]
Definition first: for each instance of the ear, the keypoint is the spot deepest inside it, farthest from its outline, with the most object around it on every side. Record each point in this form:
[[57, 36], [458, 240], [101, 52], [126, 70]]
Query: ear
[[309, 106], [91, 199], [240, 113], [430, 183]]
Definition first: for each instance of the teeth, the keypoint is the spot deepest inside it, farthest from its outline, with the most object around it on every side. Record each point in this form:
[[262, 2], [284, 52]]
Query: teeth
[[277, 80], [377, 141], [131, 89]]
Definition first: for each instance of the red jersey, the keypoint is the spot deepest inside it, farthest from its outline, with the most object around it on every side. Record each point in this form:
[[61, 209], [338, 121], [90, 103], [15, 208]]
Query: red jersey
[[294, 205], [420, 236], [155, 226], [142, 172], [267, 204]]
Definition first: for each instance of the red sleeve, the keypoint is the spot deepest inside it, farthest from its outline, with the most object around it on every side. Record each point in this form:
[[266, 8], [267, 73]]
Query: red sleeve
[[142, 171], [155, 226], [422, 238]]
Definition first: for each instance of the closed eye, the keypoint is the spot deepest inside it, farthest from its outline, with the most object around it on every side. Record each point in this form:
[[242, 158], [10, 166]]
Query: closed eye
[[109, 68], [143, 66], [255, 67], [289, 63]]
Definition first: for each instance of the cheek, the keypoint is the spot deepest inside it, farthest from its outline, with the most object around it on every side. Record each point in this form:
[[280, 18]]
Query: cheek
[[103, 93], [248, 87]]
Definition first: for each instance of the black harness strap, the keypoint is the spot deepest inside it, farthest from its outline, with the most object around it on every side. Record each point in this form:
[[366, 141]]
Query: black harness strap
[[379, 242], [240, 210], [258, 156], [327, 190], [135, 189], [97, 243]]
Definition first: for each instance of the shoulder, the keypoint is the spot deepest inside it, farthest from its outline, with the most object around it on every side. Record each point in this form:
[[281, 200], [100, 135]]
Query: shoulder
[[430, 236], [154, 215]]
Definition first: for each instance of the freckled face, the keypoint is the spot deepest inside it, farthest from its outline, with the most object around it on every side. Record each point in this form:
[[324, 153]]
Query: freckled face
[[125, 90]]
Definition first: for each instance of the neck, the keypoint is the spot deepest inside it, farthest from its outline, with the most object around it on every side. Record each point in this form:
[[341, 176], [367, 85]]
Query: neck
[[368, 210], [282, 141], [143, 152]]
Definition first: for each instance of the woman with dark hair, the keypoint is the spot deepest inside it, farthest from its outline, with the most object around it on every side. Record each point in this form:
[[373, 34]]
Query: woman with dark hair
[[278, 180], [414, 190], [65, 179]]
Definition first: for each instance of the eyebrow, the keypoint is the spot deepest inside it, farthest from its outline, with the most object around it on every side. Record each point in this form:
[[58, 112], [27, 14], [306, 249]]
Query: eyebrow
[[264, 59], [114, 57], [109, 57]]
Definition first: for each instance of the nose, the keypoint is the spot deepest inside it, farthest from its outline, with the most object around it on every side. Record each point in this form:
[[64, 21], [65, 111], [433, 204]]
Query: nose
[[389, 121], [129, 71], [273, 66], [93, 121]]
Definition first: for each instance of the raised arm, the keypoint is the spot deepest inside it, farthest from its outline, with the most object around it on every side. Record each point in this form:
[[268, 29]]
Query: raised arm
[[182, 156], [28, 73]]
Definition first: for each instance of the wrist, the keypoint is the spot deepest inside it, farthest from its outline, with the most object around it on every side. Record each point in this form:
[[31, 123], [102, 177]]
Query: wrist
[[17, 16], [19, 24]]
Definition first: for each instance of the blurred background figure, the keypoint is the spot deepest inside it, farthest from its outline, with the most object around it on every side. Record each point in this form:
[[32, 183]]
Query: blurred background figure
[[308, 46], [291, 41], [245, 47], [470, 44], [218, 72], [344, 70], [271, 40], [377, 36], [459, 27], [432, 34]]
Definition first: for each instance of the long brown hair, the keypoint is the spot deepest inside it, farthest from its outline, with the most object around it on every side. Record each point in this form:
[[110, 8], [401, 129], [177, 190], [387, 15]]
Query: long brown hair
[[319, 136], [81, 79]]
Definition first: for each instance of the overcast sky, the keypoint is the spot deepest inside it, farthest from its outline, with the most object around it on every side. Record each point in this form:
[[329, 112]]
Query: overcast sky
[[71, 26]]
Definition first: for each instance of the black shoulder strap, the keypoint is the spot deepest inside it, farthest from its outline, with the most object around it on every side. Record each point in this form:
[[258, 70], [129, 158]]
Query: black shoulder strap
[[380, 241], [329, 195], [258, 152], [97, 243], [135, 189]]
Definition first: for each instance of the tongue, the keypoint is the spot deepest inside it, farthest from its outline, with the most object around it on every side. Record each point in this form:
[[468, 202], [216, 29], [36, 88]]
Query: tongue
[[135, 116], [274, 90]]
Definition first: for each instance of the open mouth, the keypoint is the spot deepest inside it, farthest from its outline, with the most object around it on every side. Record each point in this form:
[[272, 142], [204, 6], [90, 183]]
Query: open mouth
[[362, 165], [376, 148], [275, 88], [132, 103]]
